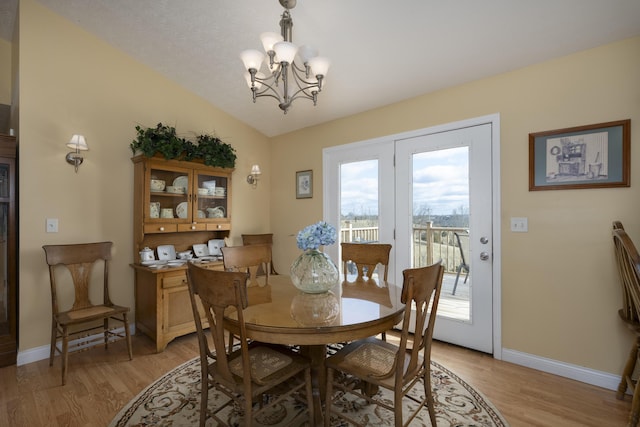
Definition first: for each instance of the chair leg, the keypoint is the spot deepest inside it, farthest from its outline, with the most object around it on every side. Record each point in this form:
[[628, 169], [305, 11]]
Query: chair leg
[[309, 392], [634, 415], [429, 394], [127, 335], [397, 408], [467, 275], [204, 398], [65, 353], [328, 398], [105, 325], [628, 369], [53, 341]]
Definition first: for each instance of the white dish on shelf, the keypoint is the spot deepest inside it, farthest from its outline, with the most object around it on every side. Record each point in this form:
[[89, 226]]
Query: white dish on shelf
[[182, 209], [200, 250], [215, 246], [176, 262], [181, 181], [201, 214], [166, 252], [158, 266]]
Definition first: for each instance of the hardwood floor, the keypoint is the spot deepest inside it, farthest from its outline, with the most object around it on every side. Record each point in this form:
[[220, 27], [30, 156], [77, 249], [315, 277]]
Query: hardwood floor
[[101, 382]]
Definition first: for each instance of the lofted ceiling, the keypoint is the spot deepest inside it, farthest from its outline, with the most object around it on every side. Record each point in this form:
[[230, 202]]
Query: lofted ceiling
[[381, 51]]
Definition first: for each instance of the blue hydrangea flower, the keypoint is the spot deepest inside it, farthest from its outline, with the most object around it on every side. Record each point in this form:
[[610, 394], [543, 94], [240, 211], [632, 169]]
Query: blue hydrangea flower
[[316, 235]]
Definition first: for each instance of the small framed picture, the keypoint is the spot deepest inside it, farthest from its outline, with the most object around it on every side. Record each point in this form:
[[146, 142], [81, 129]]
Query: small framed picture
[[304, 184], [592, 156]]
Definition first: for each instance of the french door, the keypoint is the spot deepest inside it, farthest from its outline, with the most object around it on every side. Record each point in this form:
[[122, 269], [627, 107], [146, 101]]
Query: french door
[[437, 202]]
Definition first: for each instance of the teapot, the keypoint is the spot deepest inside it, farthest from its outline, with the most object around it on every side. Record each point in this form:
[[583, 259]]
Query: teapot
[[217, 212], [146, 254]]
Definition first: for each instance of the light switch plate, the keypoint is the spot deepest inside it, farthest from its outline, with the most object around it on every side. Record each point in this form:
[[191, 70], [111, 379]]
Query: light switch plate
[[52, 225], [519, 224]]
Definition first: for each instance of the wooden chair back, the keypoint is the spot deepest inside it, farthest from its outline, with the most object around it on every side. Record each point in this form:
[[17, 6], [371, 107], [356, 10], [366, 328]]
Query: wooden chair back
[[420, 291], [628, 263], [366, 257], [79, 259], [260, 239], [248, 259], [217, 291]]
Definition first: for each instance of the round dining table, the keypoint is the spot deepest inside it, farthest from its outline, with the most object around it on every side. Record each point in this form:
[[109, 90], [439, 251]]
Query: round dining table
[[279, 313]]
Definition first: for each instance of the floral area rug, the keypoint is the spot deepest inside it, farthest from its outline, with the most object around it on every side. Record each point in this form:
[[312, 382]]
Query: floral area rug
[[174, 400]]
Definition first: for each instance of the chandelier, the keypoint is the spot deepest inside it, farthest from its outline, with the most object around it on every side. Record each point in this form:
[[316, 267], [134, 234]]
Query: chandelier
[[283, 78]]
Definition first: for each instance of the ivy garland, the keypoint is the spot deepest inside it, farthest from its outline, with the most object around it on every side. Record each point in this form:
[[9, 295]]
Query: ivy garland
[[163, 140]]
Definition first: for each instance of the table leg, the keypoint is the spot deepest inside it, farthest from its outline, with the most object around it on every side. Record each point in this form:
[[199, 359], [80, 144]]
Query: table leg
[[317, 355]]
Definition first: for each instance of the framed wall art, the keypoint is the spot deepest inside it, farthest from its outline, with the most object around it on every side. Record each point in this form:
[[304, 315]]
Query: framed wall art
[[304, 184], [592, 156]]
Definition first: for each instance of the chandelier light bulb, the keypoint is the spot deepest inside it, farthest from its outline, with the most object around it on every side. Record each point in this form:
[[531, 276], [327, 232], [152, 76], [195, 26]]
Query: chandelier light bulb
[[269, 39], [252, 59], [306, 52], [319, 65], [285, 51]]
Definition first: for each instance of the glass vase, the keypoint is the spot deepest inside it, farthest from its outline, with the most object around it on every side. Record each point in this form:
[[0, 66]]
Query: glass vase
[[314, 272]]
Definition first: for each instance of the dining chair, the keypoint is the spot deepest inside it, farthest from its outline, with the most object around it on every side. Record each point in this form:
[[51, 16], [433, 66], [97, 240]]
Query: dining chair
[[247, 371], [463, 264], [365, 365], [366, 257], [628, 262], [88, 322], [249, 259], [260, 239]]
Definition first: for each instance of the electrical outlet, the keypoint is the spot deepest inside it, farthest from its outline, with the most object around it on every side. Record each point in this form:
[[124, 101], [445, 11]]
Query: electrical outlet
[[52, 225], [519, 224]]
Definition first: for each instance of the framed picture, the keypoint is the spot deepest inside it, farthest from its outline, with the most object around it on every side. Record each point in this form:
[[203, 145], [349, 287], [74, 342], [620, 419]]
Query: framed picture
[[304, 184], [592, 156]]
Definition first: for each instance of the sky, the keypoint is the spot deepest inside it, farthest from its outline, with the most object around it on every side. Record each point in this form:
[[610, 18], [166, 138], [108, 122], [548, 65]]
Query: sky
[[440, 184]]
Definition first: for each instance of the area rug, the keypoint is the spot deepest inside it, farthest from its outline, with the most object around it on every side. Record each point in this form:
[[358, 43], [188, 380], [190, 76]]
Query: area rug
[[174, 400]]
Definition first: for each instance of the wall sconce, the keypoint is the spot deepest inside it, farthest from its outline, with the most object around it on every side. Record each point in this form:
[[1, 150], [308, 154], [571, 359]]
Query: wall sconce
[[78, 143], [253, 177]]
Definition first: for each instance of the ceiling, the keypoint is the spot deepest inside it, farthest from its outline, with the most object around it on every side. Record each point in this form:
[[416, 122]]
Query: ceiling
[[381, 51]]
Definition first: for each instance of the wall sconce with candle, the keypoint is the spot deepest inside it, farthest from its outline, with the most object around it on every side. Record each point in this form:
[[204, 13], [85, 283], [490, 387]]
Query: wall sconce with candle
[[252, 178], [78, 143]]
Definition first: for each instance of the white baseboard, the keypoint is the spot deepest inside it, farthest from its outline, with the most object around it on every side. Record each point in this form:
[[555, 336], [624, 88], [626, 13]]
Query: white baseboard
[[567, 370], [41, 353]]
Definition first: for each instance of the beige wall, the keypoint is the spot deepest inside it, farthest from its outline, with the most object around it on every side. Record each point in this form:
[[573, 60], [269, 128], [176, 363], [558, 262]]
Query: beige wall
[[71, 82], [5, 72], [560, 287]]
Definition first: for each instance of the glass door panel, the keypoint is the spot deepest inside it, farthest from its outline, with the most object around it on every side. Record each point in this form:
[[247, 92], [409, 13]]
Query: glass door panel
[[359, 201], [440, 200]]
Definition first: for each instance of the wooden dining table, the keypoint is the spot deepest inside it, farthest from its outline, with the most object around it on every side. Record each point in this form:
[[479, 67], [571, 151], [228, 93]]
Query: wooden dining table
[[279, 313]]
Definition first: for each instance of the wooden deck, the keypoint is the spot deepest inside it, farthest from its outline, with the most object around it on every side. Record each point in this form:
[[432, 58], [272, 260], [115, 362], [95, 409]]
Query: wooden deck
[[454, 306]]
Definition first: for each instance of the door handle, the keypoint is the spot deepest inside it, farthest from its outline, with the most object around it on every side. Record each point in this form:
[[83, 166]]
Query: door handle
[[484, 240], [484, 256]]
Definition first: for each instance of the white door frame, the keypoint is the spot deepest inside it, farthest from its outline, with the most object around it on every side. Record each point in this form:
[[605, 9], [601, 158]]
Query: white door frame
[[329, 202]]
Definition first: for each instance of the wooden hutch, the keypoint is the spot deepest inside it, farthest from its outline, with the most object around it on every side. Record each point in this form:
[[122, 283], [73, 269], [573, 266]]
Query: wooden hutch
[[162, 305]]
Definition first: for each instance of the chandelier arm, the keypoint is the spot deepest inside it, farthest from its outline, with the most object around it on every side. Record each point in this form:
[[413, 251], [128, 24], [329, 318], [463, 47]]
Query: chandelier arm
[[307, 86]]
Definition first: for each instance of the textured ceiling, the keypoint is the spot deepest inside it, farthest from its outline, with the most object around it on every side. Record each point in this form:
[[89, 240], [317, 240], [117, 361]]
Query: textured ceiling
[[381, 51]]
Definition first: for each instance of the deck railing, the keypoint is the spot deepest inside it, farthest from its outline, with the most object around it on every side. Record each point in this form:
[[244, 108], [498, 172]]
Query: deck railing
[[430, 243]]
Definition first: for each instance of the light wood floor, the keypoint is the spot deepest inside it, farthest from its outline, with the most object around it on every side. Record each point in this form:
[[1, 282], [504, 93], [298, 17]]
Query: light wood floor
[[101, 382]]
